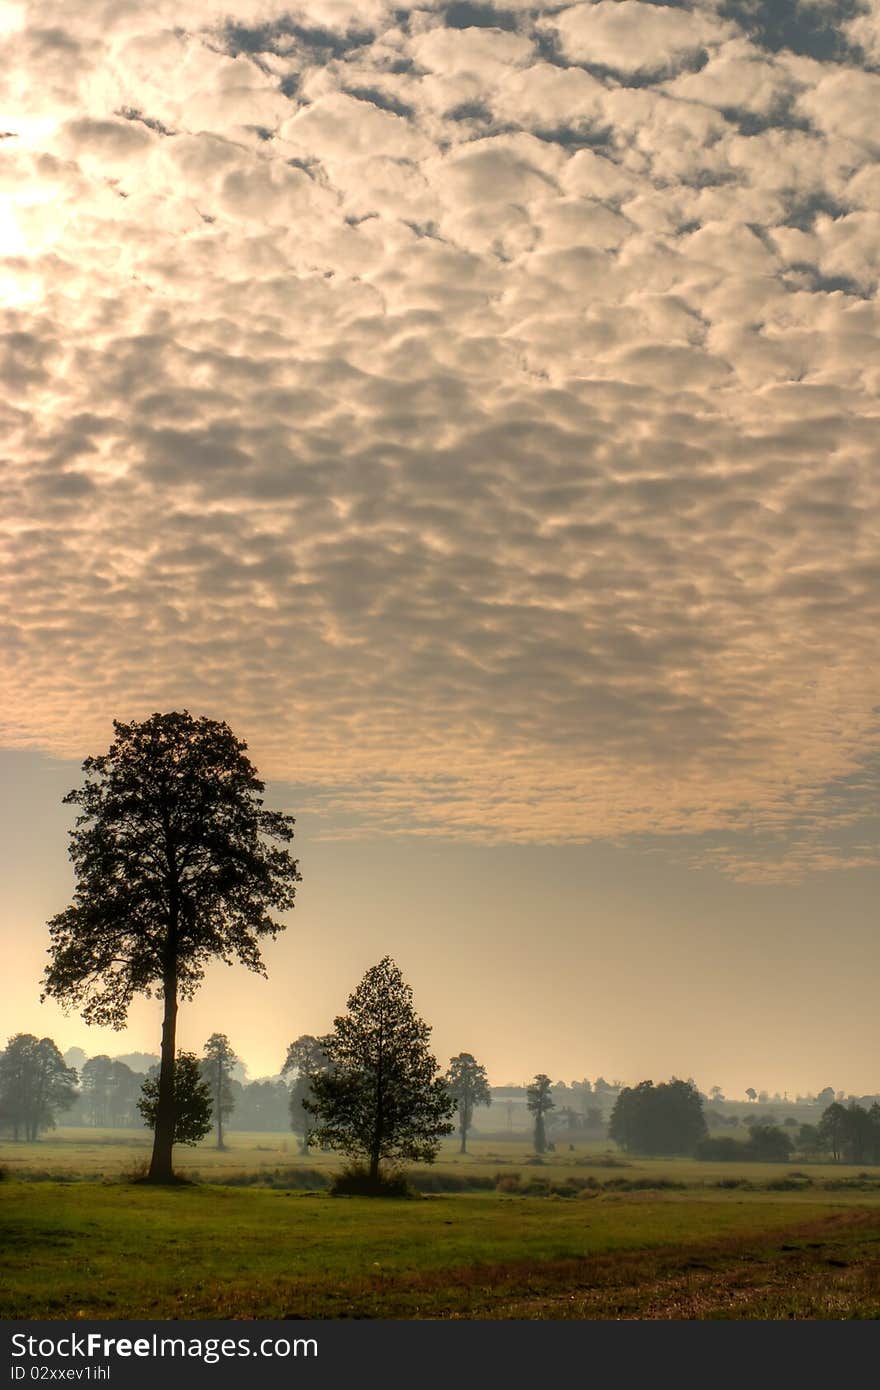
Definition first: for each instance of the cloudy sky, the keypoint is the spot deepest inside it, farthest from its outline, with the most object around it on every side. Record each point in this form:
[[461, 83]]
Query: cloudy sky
[[477, 407]]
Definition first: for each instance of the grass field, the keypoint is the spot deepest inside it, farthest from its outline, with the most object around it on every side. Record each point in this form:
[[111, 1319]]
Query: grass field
[[627, 1246]]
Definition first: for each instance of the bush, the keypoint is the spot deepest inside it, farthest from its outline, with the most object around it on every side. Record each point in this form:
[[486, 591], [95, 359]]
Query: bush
[[721, 1150], [508, 1182], [643, 1185], [357, 1181], [301, 1179]]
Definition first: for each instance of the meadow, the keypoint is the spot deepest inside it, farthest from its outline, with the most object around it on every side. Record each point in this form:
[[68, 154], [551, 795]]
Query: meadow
[[584, 1234]]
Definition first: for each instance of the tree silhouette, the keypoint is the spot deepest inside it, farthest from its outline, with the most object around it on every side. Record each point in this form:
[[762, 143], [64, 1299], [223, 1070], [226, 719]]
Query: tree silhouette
[[540, 1101], [173, 870], [192, 1100], [34, 1085], [218, 1059], [382, 1097], [467, 1084]]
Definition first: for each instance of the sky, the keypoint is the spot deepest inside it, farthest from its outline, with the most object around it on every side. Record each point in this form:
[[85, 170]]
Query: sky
[[477, 407]]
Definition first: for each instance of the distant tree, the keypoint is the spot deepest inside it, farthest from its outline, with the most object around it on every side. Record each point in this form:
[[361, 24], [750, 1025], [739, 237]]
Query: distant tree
[[716, 1095], [571, 1117], [218, 1059], [96, 1083], [808, 1141], [469, 1087], [751, 1093], [261, 1104], [540, 1102], [768, 1144], [664, 1119], [825, 1097], [35, 1085], [857, 1132], [382, 1098], [832, 1129], [305, 1059], [594, 1117], [173, 871], [192, 1100], [125, 1088]]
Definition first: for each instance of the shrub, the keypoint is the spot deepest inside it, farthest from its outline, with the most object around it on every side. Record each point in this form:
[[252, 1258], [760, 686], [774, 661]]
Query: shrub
[[507, 1182], [720, 1150], [356, 1181]]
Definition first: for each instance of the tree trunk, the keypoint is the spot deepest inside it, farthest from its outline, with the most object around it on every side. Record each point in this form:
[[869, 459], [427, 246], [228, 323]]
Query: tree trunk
[[463, 1148], [161, 1169]]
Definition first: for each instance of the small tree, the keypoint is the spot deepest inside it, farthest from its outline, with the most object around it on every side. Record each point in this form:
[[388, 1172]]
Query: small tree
[[469, 1087], [217, 1063], [192, 1100], [305, 1058], [539, 1100], [34, 1085], [382, 1097], [173, 871]]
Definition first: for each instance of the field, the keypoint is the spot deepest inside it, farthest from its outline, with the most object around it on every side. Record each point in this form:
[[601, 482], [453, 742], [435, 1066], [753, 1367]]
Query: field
[[583, 1235]]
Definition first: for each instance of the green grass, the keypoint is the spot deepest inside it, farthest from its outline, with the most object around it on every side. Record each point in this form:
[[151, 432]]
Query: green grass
[[646, 1238], [113, 1250]]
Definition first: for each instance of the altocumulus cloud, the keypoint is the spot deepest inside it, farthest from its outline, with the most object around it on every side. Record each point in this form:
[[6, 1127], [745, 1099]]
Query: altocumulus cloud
[[478, 407]]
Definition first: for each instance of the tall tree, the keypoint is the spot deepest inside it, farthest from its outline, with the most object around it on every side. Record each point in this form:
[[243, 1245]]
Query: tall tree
[[217, 1063], [34, 1085], [539, 1099], [469, 1087], [305, 1058], [173, 870], [382, 1097], [192, 1100]]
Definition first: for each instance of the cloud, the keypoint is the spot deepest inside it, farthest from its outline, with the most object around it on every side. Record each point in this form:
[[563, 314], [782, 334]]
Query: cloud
[[631, 37], [477, 408]]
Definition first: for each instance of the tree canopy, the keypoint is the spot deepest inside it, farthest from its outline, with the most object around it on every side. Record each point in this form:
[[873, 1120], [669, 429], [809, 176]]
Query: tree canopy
[[174, 868], [382, 1097]]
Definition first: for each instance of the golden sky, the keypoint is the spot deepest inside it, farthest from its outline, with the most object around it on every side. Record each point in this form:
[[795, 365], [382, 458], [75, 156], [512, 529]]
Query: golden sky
[[474, 405]]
